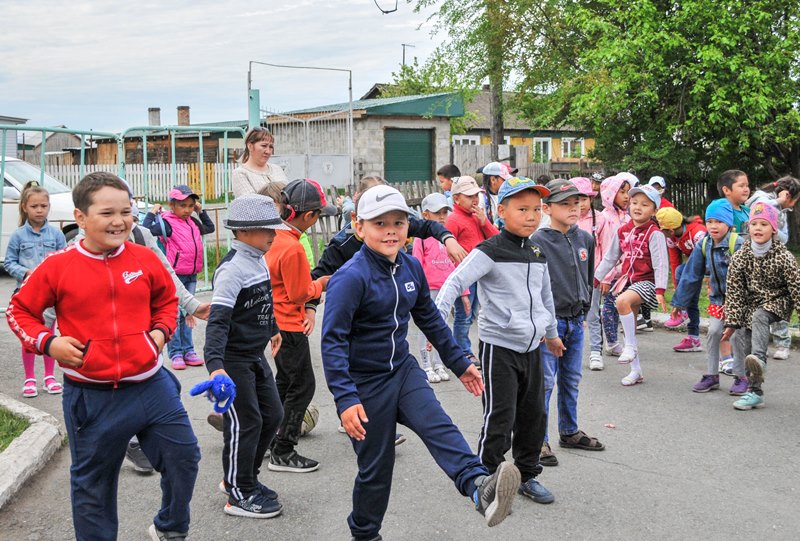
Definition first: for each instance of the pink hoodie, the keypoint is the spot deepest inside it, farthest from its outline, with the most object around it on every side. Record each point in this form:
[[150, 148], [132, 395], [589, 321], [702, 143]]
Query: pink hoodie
[[613, 217], [596, 228], [435, 263]]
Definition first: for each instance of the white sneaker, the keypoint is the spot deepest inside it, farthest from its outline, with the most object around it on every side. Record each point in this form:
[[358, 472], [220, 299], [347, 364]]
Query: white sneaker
[[433, 377], [442, 373], [614, 349], [596, 361], [628, 354], [781, 354]]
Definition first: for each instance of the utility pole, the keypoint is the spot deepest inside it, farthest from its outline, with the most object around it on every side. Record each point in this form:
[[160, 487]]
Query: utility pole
[[404, 45]]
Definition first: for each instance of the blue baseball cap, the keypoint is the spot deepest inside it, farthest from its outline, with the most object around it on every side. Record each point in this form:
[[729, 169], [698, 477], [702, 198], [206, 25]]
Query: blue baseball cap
[[650, 192], [514, 185]]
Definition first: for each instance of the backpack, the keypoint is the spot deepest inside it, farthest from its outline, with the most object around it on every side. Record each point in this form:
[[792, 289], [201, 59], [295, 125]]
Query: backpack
[[161, 240], [138, 236], [731, 243]]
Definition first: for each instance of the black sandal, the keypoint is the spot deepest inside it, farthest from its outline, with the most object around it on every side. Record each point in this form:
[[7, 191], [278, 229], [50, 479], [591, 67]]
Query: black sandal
[[579, 440]]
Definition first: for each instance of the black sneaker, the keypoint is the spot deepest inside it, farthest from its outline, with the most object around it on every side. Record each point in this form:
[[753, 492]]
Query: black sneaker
[[265, 490], [160, 535], [399, 439], [644, 325], [256, 505], [138, 459], [497, 492], [292, 462]]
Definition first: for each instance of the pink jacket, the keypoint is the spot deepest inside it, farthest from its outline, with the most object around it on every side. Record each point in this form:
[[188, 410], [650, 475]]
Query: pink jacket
[[613, 217], [185, 245], [596, 228], [435, 263]]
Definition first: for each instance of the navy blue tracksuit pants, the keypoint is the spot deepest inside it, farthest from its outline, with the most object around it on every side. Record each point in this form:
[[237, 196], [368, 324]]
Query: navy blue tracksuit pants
[[100, 422], [402, 396]]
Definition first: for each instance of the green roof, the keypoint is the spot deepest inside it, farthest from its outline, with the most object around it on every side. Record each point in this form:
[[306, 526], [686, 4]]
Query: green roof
[[446, 104]]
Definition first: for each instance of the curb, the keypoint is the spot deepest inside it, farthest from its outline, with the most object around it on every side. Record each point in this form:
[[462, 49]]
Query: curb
[[30, 452]]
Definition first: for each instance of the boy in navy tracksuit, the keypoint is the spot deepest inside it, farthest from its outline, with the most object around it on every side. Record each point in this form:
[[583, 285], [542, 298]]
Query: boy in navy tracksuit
[[517, 314], [376, 382], [241, 324]]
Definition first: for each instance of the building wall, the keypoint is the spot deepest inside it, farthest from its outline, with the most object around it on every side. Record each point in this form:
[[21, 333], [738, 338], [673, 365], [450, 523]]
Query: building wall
[[556, 154]]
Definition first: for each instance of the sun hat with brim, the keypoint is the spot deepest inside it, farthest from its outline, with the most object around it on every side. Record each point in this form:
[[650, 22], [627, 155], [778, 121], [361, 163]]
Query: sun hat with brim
[[253, 211], [379, 200], [651, 193], [514, 185]]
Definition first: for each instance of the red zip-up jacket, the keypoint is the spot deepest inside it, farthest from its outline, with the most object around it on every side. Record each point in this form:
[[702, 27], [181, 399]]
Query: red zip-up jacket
[[467, 230], [692, 236], [108, 302]]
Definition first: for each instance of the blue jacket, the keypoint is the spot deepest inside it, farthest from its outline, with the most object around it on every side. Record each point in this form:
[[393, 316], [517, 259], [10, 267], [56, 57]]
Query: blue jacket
[[715, 264], [368, 304], [27, 248]]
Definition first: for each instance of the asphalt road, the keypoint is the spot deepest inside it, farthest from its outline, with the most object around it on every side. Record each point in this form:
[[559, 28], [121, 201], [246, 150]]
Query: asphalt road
[[678, 465]]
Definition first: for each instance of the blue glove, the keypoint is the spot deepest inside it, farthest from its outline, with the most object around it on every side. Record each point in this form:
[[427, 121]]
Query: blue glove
[[221, 390]]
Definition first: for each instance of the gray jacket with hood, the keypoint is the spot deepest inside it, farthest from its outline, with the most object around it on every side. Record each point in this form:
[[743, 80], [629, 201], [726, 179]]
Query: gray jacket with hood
[[513, 289]]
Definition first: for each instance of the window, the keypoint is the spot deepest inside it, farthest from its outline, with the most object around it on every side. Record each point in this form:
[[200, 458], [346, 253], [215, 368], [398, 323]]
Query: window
[[541, 149], [571, 147], [466, 140]]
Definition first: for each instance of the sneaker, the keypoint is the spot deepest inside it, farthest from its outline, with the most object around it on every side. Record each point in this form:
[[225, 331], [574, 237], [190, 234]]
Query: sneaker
[[256, 505], [138, 459], [614, 349], [535, 491], [216, 420], [493, 498], [749, 401], [292, 462], [628, 354], [707, 383], [688, 344], [265, 490], [781, 354], [192, 359], [177, 362], [433, 377], [546, 457], [442, 373], [739, 387], [160, 535], [726, 367], [644, 325], [596, 361], [674, 322], [399, 439], [756, 369]]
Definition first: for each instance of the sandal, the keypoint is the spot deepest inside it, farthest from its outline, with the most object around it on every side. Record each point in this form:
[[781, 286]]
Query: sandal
[[632, 379], [579, 440], [53, 387], [29, 388]]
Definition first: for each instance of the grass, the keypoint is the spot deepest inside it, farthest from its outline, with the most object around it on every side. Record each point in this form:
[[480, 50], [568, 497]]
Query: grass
[[11, 427]]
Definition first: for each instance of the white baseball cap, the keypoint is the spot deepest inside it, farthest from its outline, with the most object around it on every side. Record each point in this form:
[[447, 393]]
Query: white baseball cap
[[435, 202], [380, 200]]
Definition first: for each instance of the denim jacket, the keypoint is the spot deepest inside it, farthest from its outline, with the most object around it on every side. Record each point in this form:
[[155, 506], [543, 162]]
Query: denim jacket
[[27, 248], [714, 263]]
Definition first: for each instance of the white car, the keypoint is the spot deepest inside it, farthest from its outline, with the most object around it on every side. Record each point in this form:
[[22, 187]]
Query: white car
[[17, 174]]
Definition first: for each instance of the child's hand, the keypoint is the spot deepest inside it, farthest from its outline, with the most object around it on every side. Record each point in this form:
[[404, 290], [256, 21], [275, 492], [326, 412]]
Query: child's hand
[[661, 301], [324, 282], [480, 214], [555, 346], [467, 305], [726, 335], [190, 321], [203, 311], [352, 419], [67, 350], [276, 342], [455, 251], [156, 208], [428, 346], [158, 338], [604, 288], [471, 379], [309, 321], [198, 208]]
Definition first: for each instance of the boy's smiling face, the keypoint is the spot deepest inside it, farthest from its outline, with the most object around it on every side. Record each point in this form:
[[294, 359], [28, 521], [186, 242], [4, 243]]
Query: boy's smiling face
[[108, 221], [385, 234], [739, 192]]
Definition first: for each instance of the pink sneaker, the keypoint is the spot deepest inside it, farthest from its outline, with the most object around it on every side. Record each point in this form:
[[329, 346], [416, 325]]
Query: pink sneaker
[[178, 362], [673, 322], [192, 359], [688, 344]]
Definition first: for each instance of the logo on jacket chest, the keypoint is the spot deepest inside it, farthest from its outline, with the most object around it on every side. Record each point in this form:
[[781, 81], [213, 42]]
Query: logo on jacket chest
[[583, 254], [410, 287], [131, 276]]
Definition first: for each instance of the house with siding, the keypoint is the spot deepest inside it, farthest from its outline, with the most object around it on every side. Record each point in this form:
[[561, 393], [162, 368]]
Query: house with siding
[[10, 149]]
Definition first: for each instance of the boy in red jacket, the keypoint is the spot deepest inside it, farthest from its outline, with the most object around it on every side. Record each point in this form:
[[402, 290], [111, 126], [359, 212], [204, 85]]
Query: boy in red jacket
[[116, 308], [470, 226]]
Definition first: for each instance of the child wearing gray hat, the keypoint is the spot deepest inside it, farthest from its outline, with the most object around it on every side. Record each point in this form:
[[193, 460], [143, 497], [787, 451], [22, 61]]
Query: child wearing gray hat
[[240, 326]]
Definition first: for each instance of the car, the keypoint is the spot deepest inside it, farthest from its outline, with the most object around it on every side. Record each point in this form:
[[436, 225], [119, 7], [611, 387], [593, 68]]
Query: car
[[17, 173]]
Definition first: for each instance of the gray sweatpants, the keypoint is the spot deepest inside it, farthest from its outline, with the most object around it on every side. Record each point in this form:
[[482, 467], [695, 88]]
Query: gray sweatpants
[[594, 323], [780, 334], [755, 339], [715, 329]]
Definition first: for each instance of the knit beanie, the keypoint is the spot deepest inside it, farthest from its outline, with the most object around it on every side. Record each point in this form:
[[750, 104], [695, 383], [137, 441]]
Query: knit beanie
[[720, 209], [669, 218], [765, 211]]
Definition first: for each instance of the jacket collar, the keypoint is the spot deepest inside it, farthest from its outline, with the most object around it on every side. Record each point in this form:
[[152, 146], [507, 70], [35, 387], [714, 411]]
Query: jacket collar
[[516, 239], [458, 209], [95, 255], [29, 228], [380, 261]]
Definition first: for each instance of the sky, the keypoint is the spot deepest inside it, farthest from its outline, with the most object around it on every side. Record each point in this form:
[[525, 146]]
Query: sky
[[100, 65]]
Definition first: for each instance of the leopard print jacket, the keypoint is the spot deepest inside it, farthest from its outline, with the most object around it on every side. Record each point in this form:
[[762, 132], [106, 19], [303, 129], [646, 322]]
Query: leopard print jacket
[[771, 282]]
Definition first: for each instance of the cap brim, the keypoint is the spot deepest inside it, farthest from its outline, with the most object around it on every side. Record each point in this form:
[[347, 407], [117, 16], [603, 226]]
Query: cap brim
[[437, 209], [469, 191], [560, 196], [329, 210], [543, 192], [383, 210], [183, 196]]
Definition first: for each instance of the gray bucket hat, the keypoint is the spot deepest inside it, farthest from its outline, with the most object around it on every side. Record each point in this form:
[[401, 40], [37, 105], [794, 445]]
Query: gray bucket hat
[[253, 211]]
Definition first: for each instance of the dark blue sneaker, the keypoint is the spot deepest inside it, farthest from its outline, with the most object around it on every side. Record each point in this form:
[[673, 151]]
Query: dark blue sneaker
[[265, 490], [256, 505], [494, 496], [534, 490]]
